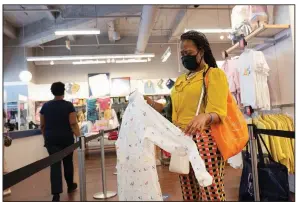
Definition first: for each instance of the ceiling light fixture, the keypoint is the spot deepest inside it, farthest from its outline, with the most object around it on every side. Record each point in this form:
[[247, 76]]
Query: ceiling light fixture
[[211, 31], [131, 61], [76, 32], [89, 62], [25, 76], [221, 37], [88, 57], [166, 54], [52, 62]]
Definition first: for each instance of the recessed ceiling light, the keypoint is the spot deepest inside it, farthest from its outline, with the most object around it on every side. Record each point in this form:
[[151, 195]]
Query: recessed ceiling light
[[221, 37], [52, 62]]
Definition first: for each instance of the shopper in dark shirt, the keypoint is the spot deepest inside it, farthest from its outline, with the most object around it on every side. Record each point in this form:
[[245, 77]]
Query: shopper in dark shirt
[[59, 125]]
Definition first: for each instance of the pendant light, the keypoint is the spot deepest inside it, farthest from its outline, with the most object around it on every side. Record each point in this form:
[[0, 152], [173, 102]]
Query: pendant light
[[25, 75]]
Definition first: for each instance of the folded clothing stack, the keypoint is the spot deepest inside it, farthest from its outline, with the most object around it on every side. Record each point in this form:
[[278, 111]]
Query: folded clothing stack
[[113, 135]]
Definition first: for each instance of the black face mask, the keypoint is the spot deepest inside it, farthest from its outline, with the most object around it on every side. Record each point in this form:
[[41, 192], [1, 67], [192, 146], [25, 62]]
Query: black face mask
[[190, 62]]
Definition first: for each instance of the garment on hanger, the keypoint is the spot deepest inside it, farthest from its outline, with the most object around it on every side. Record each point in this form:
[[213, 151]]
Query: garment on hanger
[[230, 69], [104, 103], [253, 73], [149, 88], [281, 148], [92, 114], [143, 128]]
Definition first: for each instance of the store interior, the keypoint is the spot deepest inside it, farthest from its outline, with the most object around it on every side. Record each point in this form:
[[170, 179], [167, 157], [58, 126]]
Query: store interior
[[116, 53]]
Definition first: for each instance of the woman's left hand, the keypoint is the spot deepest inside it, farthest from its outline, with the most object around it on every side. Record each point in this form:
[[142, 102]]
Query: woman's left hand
[[199, 123]]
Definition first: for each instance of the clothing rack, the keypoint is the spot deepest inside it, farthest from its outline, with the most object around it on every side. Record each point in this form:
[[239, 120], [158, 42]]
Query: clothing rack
[[253, 132]]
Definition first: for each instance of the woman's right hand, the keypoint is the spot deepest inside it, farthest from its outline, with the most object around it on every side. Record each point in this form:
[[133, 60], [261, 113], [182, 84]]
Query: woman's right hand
[[157, 106]]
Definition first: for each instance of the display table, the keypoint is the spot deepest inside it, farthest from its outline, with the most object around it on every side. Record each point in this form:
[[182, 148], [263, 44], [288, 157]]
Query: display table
[[95, 144]]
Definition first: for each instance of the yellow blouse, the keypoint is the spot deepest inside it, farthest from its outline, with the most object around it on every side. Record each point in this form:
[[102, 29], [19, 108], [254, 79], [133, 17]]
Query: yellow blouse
[[186, 94]]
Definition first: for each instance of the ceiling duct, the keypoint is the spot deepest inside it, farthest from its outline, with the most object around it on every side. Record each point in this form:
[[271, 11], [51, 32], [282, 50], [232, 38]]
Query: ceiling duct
[[112, 33], [148, 19]]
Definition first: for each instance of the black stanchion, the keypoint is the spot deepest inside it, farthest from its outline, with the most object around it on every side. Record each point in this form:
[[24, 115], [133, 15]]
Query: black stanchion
[[104, 194], [82, 169], [23, 173]]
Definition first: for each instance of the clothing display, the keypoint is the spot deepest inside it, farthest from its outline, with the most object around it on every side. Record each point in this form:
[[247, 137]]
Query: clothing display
[[92, 113], [149, 88], [170, 83], [281, 149], [183, 103], [104, 103], [113, 135], [160, 84], [141, 129], [230, 68], [253, 72]]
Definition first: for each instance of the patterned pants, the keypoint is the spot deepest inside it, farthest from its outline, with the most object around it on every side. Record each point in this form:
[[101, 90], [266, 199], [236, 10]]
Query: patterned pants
[[214, 162]]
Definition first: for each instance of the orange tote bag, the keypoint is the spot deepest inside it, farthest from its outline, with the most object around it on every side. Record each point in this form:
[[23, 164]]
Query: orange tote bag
[[231, 135]]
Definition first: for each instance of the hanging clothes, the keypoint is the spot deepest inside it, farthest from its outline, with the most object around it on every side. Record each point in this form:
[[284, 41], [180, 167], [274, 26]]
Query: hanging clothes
[[92, 114], [230, 69], [104, 103], [281, 149], [143, 128], [149, 88], [253, 73]]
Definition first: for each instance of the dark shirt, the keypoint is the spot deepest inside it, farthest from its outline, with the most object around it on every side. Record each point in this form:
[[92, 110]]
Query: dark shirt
[[57, 127]]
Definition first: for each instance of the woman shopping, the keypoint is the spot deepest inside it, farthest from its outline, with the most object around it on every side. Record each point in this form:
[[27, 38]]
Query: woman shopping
[[197, 57]]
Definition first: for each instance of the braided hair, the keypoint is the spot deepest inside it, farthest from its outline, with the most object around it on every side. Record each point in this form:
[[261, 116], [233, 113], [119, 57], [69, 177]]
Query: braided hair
[[201, 42]]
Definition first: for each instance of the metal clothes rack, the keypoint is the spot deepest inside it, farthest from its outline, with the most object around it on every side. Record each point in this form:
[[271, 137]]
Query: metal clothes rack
[[253, 132]]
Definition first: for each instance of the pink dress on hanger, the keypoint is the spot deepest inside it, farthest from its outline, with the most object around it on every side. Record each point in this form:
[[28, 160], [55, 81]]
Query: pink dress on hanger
[[230, 68]]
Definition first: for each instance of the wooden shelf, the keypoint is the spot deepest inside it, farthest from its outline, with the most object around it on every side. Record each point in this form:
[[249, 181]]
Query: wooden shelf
[[258, 36]]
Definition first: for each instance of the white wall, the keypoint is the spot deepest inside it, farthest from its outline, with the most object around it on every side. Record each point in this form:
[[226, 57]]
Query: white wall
[[151, 70], [280, 59], [281, 62]]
